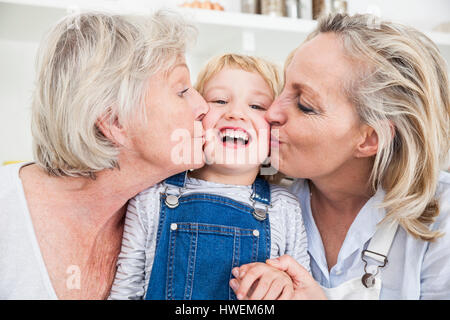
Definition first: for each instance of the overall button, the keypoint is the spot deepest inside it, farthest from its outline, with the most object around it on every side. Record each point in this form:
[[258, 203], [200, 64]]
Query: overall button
[[173, 226], [256, 233], [171, 201]]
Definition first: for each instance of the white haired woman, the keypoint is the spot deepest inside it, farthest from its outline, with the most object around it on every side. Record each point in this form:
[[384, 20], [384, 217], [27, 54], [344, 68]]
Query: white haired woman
[[363, 124], [111, 94]]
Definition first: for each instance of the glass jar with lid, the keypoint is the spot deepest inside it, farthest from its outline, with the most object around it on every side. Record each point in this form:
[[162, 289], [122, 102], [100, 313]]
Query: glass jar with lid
[[272, 7]]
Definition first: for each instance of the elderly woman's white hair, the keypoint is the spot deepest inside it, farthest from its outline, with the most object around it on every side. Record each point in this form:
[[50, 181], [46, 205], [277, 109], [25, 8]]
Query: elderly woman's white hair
[[95, 65]]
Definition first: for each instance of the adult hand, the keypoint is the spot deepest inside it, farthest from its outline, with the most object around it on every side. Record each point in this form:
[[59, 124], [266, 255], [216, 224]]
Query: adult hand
[[260, 281], [304, 285]]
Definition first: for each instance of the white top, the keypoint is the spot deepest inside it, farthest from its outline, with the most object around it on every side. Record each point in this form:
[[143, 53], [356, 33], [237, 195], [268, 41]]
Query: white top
[[141, 225], [23, 274], [416, 269]]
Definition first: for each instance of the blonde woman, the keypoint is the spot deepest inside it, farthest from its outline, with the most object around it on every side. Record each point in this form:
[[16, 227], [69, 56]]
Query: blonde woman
[[110, 94], [363, 126]]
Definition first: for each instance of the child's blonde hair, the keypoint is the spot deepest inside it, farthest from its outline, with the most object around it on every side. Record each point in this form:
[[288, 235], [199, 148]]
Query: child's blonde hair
[[267, 70]]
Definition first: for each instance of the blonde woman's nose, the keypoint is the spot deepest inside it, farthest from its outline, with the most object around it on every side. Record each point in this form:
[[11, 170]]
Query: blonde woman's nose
[[276, 115]]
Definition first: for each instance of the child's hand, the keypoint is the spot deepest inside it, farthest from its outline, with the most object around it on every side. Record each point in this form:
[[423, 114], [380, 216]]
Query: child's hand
[[260, 281]]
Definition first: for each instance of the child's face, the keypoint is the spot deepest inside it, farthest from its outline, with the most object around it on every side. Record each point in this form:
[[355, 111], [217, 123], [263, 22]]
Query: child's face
[[237, 135]]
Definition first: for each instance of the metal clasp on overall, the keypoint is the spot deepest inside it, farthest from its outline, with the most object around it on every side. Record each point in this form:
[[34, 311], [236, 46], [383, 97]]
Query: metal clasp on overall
[[259, 213], [172, 200], [368, 279]]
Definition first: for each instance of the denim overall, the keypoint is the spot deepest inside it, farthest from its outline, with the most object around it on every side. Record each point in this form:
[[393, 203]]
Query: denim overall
[[201, 237]]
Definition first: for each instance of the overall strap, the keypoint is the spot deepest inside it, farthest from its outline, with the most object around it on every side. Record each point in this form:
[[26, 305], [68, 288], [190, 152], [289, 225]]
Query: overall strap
[[261, 191], [260, 198], [177, 180]]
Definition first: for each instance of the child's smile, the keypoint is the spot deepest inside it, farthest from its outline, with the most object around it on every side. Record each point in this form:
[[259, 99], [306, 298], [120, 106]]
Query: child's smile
[[234, 137]]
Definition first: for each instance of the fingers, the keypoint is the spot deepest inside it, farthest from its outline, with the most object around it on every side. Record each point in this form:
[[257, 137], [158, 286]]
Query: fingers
[[254, 273], [287, 294], [259, 281], [234, 284], [279, 287], [261, 288], [305, 287], [239, 272], [296, 271]]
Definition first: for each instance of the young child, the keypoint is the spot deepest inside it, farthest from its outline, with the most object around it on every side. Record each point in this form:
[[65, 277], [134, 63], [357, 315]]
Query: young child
[[183, 237]]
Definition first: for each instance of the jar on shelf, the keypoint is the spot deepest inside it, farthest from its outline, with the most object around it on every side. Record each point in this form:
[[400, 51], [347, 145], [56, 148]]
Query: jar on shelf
[[250, 6], [321, 7], [340, 6], [324, 7], [292, 9], [272, 7], [305, 9]]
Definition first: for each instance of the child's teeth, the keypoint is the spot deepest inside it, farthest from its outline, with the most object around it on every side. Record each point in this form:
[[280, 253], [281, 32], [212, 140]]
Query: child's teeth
[[231, 135]]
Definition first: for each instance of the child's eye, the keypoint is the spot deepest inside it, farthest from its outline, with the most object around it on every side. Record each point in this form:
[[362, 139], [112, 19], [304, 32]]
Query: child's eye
[[257, 107], [181, 93], [219, 101]]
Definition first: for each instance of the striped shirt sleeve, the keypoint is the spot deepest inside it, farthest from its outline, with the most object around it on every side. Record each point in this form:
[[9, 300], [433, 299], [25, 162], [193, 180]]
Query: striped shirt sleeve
[[287, 229], [129, 283]]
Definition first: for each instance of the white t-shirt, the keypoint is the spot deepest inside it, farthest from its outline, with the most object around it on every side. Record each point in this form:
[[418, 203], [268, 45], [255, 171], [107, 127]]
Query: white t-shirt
[[23, 274], [141, 225]]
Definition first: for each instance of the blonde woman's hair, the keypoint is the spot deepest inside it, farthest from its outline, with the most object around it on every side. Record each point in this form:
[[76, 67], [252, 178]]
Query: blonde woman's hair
[[94, 65], [402, 91], [267, 70]]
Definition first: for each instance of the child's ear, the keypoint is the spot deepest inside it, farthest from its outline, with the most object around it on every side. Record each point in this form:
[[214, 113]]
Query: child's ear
[[110, 126]]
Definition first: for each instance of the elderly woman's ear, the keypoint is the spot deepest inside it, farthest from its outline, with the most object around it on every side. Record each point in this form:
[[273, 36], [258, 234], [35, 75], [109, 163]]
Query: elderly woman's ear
[[112, 128]]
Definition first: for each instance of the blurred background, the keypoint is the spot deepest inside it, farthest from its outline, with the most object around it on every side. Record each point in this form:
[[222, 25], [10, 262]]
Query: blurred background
[[267, 28]]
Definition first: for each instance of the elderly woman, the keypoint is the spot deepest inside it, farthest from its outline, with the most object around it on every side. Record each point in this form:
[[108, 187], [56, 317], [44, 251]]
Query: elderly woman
[[113, 99], [363, 124]]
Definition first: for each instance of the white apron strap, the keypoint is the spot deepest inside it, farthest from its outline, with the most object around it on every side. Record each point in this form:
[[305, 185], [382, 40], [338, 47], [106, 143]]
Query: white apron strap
[[381, 242], [378, 249]]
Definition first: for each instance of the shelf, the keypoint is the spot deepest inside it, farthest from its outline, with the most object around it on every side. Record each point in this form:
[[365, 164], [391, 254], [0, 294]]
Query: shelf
[[267, 36]]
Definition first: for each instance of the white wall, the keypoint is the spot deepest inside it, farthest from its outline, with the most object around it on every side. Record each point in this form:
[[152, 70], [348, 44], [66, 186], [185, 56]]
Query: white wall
[[422, 14], [16, 82]]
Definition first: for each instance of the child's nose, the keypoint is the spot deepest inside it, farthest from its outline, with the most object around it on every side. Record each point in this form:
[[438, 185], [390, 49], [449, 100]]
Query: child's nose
[[235, 111]]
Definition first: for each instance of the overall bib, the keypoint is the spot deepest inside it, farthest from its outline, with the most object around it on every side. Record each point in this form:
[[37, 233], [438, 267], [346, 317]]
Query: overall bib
[[202, 237]]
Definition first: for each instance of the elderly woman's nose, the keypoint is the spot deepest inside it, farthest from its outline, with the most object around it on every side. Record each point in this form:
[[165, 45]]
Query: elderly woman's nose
[[201, 107], [275, 115]]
